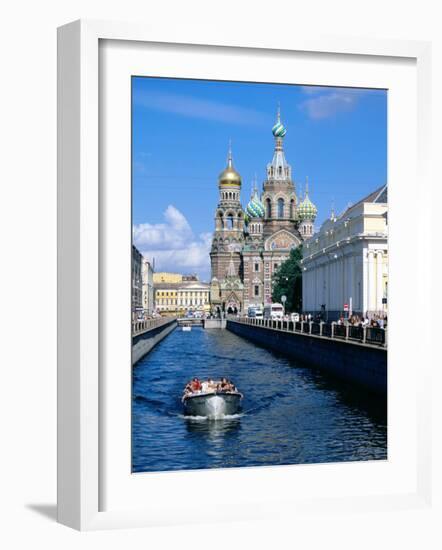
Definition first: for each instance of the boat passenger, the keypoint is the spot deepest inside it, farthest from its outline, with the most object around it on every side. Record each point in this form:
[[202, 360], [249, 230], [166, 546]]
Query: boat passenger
[[223, 385], [195, 385], [208, 386]]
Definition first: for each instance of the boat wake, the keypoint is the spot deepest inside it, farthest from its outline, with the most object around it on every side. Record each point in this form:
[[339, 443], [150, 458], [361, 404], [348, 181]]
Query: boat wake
[[215, 417]]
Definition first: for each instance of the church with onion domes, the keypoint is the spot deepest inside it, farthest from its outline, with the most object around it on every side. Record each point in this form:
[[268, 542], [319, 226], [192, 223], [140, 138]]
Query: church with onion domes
[[250, 244]]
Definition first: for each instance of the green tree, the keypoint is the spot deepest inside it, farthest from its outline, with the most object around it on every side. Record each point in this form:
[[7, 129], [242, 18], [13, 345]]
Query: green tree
[[287, 281]]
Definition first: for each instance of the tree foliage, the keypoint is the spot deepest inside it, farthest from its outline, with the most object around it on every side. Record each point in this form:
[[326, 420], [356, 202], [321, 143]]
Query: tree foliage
[[287, 281]]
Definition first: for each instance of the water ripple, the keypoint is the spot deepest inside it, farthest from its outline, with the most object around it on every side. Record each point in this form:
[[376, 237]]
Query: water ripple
[[292, 414]]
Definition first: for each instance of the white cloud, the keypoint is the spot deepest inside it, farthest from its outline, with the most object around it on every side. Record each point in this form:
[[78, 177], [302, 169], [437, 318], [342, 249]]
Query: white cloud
[[328, 102], [174, 245], [195, 107]]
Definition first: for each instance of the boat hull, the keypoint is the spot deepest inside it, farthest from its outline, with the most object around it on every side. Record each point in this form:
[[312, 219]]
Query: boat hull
[[212, 405]]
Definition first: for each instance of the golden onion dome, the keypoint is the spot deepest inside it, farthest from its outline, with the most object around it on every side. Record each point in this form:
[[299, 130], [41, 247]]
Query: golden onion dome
[[229, 176]]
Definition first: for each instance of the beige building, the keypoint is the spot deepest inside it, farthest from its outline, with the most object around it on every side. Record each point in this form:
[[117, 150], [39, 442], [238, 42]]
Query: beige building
[[176, 299], [346, 263]]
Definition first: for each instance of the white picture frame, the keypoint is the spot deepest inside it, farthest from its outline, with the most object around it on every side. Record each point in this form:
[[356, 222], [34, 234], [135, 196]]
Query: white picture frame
[[80, 361]]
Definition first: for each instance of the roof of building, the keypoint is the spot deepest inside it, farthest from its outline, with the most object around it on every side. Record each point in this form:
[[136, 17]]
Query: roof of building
[[183, 285], [380, 195]]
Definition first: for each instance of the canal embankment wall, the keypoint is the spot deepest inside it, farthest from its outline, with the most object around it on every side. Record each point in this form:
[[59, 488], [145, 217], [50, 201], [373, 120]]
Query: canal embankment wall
[[144, 341], [356, 363]]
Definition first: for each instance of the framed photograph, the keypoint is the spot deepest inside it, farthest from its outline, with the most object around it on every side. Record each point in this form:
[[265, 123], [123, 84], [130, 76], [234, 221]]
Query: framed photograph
[[232, 276]]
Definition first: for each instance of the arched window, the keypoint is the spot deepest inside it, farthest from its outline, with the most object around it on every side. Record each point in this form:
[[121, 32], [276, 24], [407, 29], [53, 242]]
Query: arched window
[[292, 209], [230, 221], [280, 208], [269, 208]]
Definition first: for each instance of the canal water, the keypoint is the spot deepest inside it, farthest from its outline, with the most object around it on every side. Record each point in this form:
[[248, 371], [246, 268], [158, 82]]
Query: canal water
[[292, 414]]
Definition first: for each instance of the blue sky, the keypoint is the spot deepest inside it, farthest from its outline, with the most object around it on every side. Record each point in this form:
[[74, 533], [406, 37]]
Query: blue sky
[[180, 134]]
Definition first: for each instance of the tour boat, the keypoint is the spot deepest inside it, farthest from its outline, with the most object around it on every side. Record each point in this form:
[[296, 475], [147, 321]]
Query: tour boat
[[187, 328], [213, 404]]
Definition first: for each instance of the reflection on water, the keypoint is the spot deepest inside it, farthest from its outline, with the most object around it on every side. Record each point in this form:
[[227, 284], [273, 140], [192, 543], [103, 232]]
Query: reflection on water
[[213, 429], [292, 414]]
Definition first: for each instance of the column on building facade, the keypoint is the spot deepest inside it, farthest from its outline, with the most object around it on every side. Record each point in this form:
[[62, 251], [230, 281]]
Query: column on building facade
[[365, 282], [379, 276], [343, 284], [351, 279], [371, 283], [314, 277], [335, 286], [328, 285]]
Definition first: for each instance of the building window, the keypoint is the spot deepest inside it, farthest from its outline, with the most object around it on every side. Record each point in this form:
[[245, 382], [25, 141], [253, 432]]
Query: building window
[[292, 209], [275, 266], [280, 208], [269, 208], [256, 290], [256, 267], [230, 222]]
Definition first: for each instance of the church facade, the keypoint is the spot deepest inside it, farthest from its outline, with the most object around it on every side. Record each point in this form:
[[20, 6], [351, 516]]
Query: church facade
[[250, 244]]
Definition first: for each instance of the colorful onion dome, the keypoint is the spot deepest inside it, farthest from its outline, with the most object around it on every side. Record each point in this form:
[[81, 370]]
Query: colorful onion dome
[[255, 208], [229, 176], [306, 209], [279, 130]]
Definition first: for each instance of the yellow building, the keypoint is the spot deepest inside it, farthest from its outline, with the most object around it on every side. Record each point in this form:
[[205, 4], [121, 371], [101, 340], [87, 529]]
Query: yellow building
[[177, 299], [164, 277], [166, 298]]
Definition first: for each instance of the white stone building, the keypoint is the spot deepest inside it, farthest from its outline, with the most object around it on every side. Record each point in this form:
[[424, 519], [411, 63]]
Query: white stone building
[[148, 295], [137, 287], [346, 263]]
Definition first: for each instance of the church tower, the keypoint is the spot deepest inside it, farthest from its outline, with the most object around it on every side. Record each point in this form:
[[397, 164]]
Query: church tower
[[279, 197], [249, 247], [228, 241]]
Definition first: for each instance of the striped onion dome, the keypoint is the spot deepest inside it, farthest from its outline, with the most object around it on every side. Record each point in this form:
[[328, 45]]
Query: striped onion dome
[[255, 208], [279, 130], [307, 210]]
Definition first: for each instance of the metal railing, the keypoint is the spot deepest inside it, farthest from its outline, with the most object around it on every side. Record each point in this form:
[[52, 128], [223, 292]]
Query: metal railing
[[340, 331], [138, 327], [345, 332]]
